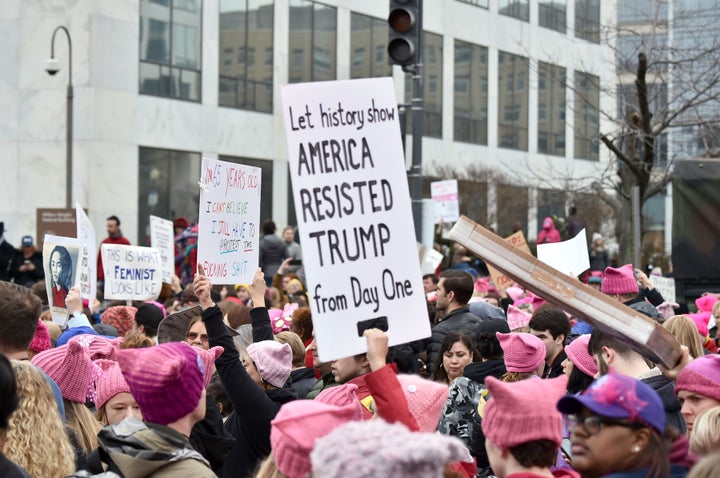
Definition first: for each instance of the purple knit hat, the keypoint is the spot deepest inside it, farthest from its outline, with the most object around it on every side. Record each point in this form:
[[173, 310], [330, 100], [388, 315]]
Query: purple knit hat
[[577, 352], [296, 427], [701, 376], [166, 380], [41, 339], [523, 352], [374, 448], [524, 411], [71, 368], [109, 383], [619, 281], [273, 361]]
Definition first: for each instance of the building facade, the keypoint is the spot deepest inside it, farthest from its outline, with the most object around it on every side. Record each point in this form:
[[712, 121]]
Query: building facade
[[512, 88]]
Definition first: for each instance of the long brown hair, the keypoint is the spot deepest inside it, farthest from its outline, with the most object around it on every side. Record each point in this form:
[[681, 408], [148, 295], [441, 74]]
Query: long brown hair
[[80, 420]]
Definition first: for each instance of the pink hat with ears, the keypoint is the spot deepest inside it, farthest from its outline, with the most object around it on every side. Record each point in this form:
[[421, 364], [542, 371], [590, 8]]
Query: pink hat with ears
[[425, 399], [701, 321], [71, 368], [109, 383], [517, 319], [706, 303], [41, 340], [577, 352], [209, 357], [99, 347], [523, 352], [515, 292]]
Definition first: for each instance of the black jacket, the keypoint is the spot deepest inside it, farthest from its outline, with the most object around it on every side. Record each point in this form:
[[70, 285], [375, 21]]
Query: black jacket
[[477, 371], [253, 407], [302, 381], [666, 389], [459, 320], [27, 278], [644, 307]]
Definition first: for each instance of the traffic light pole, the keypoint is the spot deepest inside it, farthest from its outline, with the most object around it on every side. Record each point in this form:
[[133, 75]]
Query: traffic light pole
[[418, 127]]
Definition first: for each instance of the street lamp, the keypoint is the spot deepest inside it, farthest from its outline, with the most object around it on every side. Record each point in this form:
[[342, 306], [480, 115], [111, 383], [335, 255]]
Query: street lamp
[[52, 67]]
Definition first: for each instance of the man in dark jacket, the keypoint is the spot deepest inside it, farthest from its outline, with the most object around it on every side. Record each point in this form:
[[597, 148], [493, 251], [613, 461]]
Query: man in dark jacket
[[273, 251], [454, 291], [620, 284], [552, 326]]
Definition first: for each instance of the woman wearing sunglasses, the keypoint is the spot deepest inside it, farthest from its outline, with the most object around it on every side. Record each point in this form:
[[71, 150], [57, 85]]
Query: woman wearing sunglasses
[[616, 430]]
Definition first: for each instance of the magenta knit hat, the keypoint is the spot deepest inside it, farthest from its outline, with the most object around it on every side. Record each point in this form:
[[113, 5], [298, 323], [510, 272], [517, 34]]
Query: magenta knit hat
[[121, 317], [701, 376], [375, 448], [701, 321], [296, 427], [71, 368], [517, 318], [109, 383], [41, 340], [524, 411], [166, 380], [209, 357], [619, 281], [523, 352], [99, 347], [577, 352], [706, 303], [425, 399], [342, 396], [273, 361]]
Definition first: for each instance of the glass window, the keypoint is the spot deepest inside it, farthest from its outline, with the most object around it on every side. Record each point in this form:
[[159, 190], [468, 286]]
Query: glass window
[[167, 184], [246, 81], [313, 41], [553, 14], [512, 209], [477, 3], [513, 101], [170, 48], [587, 20], [432, 55], [642, 11], [550, 203], [519, 9], [587, 117], [551, 109], [369, 35]]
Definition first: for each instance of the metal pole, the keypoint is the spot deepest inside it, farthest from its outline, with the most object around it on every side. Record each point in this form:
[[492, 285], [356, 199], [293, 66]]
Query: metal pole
[[68, 118], [418, 127], [636, 226]]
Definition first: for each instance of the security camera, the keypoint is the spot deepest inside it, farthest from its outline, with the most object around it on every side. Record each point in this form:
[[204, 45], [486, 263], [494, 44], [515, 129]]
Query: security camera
[[52, 66]]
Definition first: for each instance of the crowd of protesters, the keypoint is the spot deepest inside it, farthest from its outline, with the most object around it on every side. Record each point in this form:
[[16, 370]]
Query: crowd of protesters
[[226, 381]]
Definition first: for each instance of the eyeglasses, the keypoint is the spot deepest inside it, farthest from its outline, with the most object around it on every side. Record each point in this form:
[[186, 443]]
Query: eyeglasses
[[593, 424], [194, 335]]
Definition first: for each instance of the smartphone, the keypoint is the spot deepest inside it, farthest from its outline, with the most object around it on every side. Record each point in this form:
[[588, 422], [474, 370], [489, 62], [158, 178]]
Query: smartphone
[[566, 447], [296, 262]]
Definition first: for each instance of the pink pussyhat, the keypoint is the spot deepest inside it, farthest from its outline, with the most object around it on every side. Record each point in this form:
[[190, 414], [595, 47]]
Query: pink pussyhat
[[577, 352], [71, 368], [523, 352], [516, 318], [109, 383]]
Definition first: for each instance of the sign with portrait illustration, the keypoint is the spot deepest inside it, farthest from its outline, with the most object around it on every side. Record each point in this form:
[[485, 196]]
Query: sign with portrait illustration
[[353, 213], [131, 272], [228, 226], [61, 259]]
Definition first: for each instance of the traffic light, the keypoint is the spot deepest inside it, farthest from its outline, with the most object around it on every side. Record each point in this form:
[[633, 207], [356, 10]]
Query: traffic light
[[405, 28]]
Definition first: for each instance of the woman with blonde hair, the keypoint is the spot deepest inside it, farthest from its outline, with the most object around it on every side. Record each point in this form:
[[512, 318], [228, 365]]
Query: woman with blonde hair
[[36, 438], [705, 438], [685, 331]]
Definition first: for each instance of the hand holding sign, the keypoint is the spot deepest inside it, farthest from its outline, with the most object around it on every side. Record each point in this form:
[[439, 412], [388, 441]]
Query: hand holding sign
[[258, 288], [73, 301], [201, 288], [377, 345]]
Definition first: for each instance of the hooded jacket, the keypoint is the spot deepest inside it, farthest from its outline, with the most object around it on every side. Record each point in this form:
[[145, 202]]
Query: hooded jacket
[[137, 450], [665, 388]]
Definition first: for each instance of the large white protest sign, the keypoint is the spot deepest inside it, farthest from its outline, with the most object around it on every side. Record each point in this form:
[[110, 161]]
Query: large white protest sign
[[162, 239], [88, 264], [61, 259], [228, 229], [131, 272], [353, 212], [570, 257], [445, 196]]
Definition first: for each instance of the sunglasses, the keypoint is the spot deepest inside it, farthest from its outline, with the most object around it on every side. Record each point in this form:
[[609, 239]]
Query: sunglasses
[[194, 335]]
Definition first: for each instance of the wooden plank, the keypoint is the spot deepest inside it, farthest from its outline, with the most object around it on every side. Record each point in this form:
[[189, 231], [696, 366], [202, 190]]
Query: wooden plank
[[644, 334]]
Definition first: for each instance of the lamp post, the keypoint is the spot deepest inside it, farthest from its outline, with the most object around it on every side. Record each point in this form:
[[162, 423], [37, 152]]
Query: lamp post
[[52, 67]]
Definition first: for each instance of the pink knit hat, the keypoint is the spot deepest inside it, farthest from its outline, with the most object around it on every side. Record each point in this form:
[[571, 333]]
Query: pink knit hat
[[71, 368], [701, 321], [425, 399], [523, 352], [515, 292], [41, 340], [209, 357], [121, 317], [109, 383], [701, 376], [619, 281], [296, 427], [273, 361], [706, 303], [517, 318], [524, 411], [166, 380], [99, 347], [577, 352], [342, 396], [374, 448]]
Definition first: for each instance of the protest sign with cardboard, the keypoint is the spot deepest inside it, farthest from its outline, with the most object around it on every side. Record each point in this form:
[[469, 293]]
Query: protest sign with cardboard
[[644, 334], [570, 257], [664, 285], [228, 228], [61, 258], [445, 196], [162, 238], [131, 272], [88, 265], [353, 213], [500, 280]]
